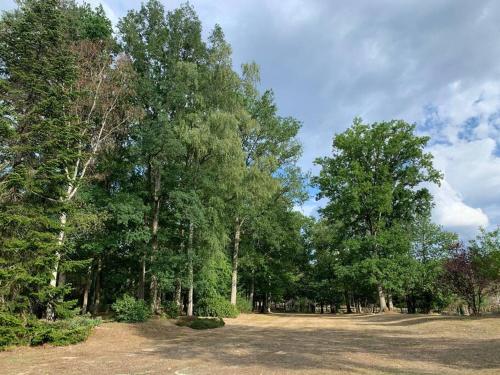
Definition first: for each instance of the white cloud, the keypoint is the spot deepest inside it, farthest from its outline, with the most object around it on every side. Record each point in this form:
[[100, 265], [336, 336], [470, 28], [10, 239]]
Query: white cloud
[[329, 61], [453, 213], [466, 126]]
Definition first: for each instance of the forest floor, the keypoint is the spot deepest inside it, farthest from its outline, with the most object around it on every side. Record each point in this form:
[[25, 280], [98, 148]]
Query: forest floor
[[277, 344]]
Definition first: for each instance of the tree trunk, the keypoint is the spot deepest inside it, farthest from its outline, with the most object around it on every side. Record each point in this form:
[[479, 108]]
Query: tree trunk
[[234, 273], [178, 293], [252, 290], [267, 303], [178, 280], [479, 302], [97, 288], [142, 280], [156, 182], [50, 312], [60, 241], [411, 304], [86, 290], [391, 305], [358, 306], [190, 270], [347, 302], [381, 298]]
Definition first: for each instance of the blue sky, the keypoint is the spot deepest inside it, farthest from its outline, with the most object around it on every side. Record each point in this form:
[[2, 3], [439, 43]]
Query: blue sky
[[435, 63]]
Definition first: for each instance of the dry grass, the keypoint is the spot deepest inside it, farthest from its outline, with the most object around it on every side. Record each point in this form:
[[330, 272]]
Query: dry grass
[[277, 344]]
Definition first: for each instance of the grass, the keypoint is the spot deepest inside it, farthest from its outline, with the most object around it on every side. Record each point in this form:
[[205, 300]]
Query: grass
[[305, 344]]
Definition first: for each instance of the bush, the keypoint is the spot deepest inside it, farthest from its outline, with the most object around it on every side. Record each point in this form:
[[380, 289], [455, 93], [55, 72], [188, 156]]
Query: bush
[[14, 331], [204, 323], [243, 305], [171, 309], [128, 309], [63, 332], [217, 307], [201, 323]]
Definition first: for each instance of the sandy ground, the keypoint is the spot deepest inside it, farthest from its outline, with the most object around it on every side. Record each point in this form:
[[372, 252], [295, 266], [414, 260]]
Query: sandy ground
[[277, 344]]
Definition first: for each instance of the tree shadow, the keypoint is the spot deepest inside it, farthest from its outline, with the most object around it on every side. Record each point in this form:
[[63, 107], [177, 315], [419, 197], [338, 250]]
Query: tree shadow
[[276, 348]]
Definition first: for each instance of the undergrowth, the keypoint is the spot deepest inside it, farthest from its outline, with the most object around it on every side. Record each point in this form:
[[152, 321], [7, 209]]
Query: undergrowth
[[15, 330]]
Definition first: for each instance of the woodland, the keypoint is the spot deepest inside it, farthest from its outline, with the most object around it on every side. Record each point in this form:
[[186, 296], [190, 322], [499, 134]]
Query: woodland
[[142, 174]]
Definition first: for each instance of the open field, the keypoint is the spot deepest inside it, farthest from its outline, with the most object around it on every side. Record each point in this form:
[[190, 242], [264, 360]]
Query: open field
[[277, 344]]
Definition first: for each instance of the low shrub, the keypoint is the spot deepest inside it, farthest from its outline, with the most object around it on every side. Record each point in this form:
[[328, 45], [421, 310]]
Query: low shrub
[[128, 309], [207, 323], [171, 309], [63, 332], [15, 331], [243, 305], [218, 307], [201, 323]]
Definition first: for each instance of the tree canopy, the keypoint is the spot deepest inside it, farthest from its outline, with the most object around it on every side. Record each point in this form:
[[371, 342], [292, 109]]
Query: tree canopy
[[140, 170]]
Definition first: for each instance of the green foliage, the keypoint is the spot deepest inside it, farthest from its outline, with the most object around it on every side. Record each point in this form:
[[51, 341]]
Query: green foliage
[[374, 183], [128, 309], [63, 332], [15, 331], [156, 165], [243, 305], [206, 323], [217, 307], [201, 323], [171, 309], [471, 271]]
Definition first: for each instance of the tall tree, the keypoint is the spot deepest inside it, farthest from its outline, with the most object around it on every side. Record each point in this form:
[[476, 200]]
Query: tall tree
[[270, 147], [374, 185], [38, 73]]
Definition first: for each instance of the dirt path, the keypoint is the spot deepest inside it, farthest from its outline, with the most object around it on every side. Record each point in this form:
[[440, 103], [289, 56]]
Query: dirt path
[[277, 344]]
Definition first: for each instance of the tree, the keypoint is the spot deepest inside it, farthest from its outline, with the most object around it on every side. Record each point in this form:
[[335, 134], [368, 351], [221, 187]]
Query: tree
[[69, 93], [189, 139], [430, 246], [374, 185], [270, 146], [38, 71], [471, 270], [165, 53], [147, 161]]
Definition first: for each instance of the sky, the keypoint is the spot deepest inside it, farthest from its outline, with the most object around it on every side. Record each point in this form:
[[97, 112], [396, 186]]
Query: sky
[[435, 63]]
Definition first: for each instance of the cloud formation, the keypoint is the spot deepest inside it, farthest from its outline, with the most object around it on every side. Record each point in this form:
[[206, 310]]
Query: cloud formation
[[434, 63]]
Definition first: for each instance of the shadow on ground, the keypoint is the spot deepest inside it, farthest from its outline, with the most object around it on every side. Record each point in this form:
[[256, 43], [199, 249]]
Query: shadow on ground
[[271, 343]]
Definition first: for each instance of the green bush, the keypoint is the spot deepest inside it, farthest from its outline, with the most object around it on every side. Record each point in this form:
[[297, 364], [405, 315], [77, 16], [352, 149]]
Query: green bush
[[14, 331], [63, 332], [207, 323], [171, 309], [201, 323], [218, 307], [243, 305], [128, 309]]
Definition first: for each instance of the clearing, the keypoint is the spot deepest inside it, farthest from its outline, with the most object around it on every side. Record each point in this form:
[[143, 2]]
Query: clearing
[[277, 344]]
